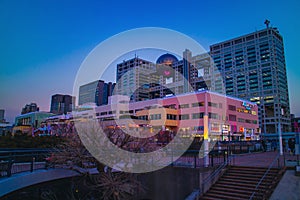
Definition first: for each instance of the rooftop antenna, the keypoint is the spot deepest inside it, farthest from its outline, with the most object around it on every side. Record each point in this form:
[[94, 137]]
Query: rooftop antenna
[[267, 22]]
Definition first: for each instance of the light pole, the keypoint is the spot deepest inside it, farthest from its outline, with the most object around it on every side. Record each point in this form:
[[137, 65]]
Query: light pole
[[280, 138]]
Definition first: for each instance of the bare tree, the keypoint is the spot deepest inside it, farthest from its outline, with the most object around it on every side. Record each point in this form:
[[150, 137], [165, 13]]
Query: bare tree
[[73, 155]]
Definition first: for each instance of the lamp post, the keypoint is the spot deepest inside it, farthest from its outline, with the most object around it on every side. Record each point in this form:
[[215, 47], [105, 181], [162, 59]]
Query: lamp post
[[279, 133], [280, 138]]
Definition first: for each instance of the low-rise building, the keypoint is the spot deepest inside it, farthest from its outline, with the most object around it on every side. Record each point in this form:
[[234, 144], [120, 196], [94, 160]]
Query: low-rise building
[[228, 118], [26, 123]]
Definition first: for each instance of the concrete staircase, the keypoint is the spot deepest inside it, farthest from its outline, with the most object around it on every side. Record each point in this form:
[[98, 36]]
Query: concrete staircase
[[239, 183]]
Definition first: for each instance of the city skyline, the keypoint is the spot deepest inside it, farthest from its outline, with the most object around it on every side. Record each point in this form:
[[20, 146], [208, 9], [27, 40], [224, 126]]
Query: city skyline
[[39, 54]]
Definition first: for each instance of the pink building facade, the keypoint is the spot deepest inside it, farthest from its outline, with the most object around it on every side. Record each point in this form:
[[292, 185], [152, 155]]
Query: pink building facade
[[228, 118]]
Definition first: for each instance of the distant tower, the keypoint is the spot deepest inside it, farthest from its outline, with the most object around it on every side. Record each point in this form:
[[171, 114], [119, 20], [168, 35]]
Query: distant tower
[[32, 107], [2, 111], [267, 22], [61, 104], [95, 92]]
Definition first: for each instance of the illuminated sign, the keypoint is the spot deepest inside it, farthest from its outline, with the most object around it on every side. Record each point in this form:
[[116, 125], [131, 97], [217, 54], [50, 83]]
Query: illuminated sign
[[205, 123], [247, 105]]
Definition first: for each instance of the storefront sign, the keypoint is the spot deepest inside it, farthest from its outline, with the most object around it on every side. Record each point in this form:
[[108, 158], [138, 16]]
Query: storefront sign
[[247, 105]]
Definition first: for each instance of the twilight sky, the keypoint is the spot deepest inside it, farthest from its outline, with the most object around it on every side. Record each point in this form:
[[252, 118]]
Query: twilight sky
[[43, 43]]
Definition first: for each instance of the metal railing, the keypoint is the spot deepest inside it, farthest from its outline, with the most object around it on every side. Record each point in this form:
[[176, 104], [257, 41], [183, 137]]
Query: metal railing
[[213, 177], [191, 159], [256, 190], [13, 161]]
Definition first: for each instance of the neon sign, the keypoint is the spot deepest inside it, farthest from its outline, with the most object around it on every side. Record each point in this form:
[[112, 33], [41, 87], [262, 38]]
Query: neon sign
[[247, 105]]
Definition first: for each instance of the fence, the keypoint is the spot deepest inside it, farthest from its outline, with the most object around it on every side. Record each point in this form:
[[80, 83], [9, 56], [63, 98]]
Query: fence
[[14, 161]]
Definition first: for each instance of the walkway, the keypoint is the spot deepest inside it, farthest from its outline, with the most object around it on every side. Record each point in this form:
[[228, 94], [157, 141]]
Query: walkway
[[262, 159], [24, 179], [288, 188]]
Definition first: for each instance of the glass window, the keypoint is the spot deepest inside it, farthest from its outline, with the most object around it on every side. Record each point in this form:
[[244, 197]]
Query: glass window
[[155, 117], [211, 104], [197, 115], [184, 106], [232, 118], [213, 115], [171, 117], [198, 104], [184, 117], [231, 107]]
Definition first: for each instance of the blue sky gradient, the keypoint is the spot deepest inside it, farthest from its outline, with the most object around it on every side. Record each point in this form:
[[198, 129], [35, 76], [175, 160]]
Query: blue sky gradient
[[43, 43]]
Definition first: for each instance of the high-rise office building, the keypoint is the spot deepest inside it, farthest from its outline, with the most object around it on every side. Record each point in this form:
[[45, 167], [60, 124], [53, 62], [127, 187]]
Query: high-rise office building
[[141, 79], [253, 67], [134, 78], [2, 111], [32, 107], [95, 92], [62, 104]]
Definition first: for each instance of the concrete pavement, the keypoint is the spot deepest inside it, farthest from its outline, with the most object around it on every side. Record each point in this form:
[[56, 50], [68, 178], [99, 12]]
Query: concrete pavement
[[288, 188]]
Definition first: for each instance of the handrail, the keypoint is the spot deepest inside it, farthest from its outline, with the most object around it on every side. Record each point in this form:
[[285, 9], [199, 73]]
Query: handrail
[[29, 158], [265, 174], [215, 173]]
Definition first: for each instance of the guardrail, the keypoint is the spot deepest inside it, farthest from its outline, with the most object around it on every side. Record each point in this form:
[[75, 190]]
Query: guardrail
[[192, 159], [213, 177], [256, 190], [14, 161]]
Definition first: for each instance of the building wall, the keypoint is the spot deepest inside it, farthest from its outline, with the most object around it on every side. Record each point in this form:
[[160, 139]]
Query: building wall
[[95, 92], [33, 119], [2, 111], [87, 93], [227, 115], [32, 107], [133, 79], [62, 104]]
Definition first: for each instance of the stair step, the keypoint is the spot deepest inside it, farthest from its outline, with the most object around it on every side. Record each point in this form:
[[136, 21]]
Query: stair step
[[221, 196], [255, 169], [241, 184], [238, 180], [241, 178], [240, 187], [253, 172], [246, 179], [208, 198], [230, 194], [250, 174], [233, 190]]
